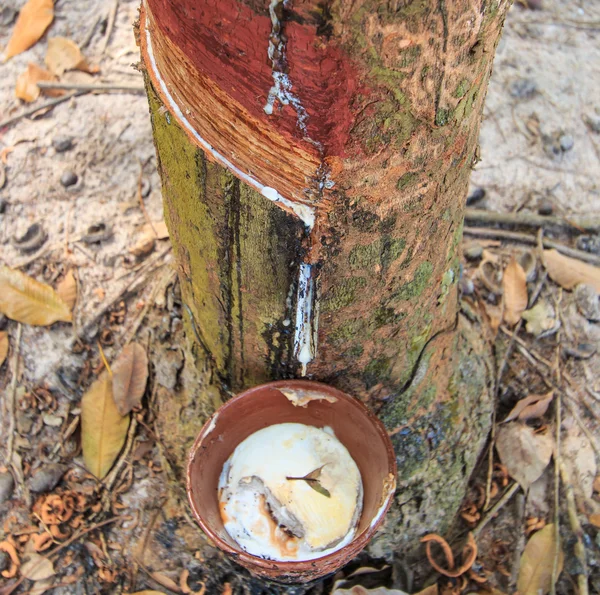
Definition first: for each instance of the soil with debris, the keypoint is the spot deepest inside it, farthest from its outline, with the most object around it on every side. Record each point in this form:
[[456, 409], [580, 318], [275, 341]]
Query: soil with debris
[[79, 193]]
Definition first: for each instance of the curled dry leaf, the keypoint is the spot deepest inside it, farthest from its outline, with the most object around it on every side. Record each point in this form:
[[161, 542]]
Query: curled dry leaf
[[3, 346], [67, 289], [144, 244], [514, 284], [103, 428], [35, 17], [64, 54], [37, 568], [9, 548], [130, 374], [27, 88], [539, 319], [28, 301], [530, 407], [523, 452], [569, 272], [535, 571]]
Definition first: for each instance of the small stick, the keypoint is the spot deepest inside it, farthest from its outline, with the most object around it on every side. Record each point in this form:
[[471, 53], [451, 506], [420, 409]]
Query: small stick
[[508, 494], [88, 87], [33, 110], [525, 238], [520, 545], [577, 222], [90, 33], [579, 549], [112, 15], [110, 480], [10, 404], [557, 461]]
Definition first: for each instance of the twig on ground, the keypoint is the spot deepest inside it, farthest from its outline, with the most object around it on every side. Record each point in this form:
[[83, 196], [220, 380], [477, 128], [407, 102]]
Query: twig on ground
[[520, 544], [557, 460], [91, 87], [90, 33], [531, 302], [491, 513], [110, 480], [571, 223], [579, 548], [524, 238], [130, 289], [112, 15], [37, 108], [68, 432], [11, 394]]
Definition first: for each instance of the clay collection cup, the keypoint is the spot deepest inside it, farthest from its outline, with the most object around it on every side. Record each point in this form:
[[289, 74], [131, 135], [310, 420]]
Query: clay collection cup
[[305, 402]]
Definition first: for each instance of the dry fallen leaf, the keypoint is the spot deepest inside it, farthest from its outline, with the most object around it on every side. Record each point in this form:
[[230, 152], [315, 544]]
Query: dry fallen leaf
[[103, 428], [26, 87], [130, 374], [158, 229], [514, 284], [67, 289], [144, 245], [539, 319], [595, 520], [26, 300], [3, 346], [34, 18], [535, 571], [569, 272], [37, 568], [530, 407], [64, 54], [524, 452]]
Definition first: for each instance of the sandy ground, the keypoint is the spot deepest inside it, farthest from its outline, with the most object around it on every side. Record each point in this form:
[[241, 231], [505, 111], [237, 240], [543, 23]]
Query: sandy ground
[[538, 146]]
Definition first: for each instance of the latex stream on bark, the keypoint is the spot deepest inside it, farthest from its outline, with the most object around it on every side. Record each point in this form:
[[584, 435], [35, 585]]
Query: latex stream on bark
[[305, 324]]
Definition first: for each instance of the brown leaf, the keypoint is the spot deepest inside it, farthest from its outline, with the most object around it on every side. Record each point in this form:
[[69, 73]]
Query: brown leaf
[[37, 568], [67, 289], [130, 374], [103, 428], [569, 272], [26, 300], [34, 18], [144, 245], [3, 346], [26, 87], [535, 571], [595, 520], [64, 54], [166, 582], [160, 227], [524, 453], [530, 407], [514, 284]]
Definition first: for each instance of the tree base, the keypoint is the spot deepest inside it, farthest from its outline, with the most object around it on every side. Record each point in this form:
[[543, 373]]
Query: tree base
[[438, 426]]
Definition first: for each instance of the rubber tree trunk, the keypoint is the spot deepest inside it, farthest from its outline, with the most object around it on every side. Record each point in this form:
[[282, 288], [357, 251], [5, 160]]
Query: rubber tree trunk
[[315, 158]]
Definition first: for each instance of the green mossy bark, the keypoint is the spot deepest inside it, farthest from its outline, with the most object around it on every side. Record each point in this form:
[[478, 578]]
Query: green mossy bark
[[237, 255]]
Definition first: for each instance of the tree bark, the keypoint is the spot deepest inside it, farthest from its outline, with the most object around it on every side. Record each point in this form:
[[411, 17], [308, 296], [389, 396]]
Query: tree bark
[[315, 158]]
